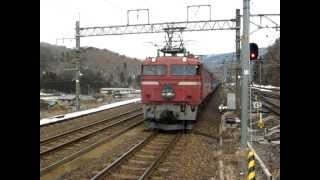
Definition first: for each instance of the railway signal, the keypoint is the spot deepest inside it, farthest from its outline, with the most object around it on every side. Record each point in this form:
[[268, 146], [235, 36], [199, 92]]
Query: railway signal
[[254, 51]]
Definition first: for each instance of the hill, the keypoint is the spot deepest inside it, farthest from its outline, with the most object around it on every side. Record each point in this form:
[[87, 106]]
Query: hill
[[270, 69], [99, 68]]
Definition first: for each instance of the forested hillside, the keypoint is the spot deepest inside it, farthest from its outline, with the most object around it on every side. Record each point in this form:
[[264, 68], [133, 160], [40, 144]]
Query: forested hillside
[[270, 69], [99, 68]]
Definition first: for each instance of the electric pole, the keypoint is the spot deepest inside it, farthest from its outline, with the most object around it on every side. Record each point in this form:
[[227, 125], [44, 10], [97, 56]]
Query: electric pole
[[245, 73], [238, 24], [244, 82], [77, 65]]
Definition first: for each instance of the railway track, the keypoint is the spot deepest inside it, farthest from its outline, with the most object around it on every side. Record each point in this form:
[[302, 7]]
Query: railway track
[[269, 101], [268, 94], [64, 147], [141, 160], [81, 130], [58, 127], [271, 106], [268, 151], [268, 160]]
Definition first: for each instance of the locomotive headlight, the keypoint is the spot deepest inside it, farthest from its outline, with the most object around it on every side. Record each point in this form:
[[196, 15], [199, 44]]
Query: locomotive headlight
[[184, 59], [168, 94]]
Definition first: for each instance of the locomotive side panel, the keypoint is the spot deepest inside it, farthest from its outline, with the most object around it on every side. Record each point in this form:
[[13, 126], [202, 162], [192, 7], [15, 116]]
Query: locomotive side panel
[[206, 84]]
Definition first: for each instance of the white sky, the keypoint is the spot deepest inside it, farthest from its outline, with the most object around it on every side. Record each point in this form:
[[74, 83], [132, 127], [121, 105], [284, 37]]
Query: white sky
[[58, 17]]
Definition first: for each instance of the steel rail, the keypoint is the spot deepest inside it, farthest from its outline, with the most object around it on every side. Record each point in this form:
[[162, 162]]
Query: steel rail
[[267, 94], [86, 149], [125, 156], [49, 139], [136, 148], [88, 135], [147, 173], [271, 106]]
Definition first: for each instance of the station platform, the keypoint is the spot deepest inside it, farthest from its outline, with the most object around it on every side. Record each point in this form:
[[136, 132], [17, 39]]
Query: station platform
[[54, 119]]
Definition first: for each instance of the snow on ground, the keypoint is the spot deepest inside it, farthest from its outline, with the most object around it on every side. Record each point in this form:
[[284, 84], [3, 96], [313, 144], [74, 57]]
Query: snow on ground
[[51, 98], [85, 112], [266, 90], [266, 86]]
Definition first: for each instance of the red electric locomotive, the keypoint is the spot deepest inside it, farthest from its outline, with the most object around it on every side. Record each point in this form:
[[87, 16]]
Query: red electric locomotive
[[173, 88]]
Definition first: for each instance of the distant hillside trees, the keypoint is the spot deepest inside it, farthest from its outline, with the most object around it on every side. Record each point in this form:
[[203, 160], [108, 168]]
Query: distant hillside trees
[[99, 68], [270, 69]]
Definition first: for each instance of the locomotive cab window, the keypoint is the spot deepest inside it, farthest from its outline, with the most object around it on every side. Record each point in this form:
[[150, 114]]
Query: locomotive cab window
[[155, 70], [184, 69]]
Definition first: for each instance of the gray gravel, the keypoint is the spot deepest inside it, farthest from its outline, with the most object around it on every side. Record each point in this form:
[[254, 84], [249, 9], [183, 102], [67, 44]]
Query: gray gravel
[[196, 155]]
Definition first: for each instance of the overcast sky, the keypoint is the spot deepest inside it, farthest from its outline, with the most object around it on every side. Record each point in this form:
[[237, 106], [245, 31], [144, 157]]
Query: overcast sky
[[58, 17]]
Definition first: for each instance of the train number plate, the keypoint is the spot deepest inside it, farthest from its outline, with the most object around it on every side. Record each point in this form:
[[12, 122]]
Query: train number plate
[[257, 104]]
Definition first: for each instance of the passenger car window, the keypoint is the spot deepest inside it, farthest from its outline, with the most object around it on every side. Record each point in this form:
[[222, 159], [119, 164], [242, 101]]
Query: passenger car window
[[184, 69], [157, 70]]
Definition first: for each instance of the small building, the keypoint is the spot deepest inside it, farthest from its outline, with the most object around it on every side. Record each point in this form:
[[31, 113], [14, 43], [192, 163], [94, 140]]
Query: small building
[[67, 99], [87, 99], [117, 92]]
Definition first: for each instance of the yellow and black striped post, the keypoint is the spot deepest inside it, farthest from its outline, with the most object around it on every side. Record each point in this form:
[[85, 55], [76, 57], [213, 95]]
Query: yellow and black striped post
[[251, 166]]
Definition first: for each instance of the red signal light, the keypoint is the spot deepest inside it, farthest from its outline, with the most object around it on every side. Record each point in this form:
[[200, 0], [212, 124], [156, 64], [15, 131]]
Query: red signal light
[[254, 51]]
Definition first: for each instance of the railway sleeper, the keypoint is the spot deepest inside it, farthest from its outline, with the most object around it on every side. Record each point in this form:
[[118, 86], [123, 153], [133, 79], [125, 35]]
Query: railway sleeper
[[166, 164], [133, 168], [145, 156], [149, 152], [171, 157], [157, 178], [163, 170], [131, 171], [124, 176], [149, 160], [160, 144], [154, 148], [135, 162], [162, 139]]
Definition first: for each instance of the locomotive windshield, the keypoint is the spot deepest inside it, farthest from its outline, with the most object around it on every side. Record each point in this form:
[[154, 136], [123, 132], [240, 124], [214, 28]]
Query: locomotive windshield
[[157, 70], [184, 69]]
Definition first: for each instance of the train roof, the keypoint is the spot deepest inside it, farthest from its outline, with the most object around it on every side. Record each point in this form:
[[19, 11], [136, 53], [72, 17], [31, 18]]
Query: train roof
[[172, 60]]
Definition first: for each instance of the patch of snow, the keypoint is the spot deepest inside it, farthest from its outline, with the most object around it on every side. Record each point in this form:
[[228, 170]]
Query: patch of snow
[[266, 86], [85, 112], [265, 90], [52, 98]]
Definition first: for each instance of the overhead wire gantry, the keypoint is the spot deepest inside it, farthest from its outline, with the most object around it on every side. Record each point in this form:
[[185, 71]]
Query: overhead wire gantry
[[149, 28]]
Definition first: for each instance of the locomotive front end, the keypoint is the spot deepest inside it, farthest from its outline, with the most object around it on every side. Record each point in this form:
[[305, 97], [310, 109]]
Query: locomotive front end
[[171, 92]]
